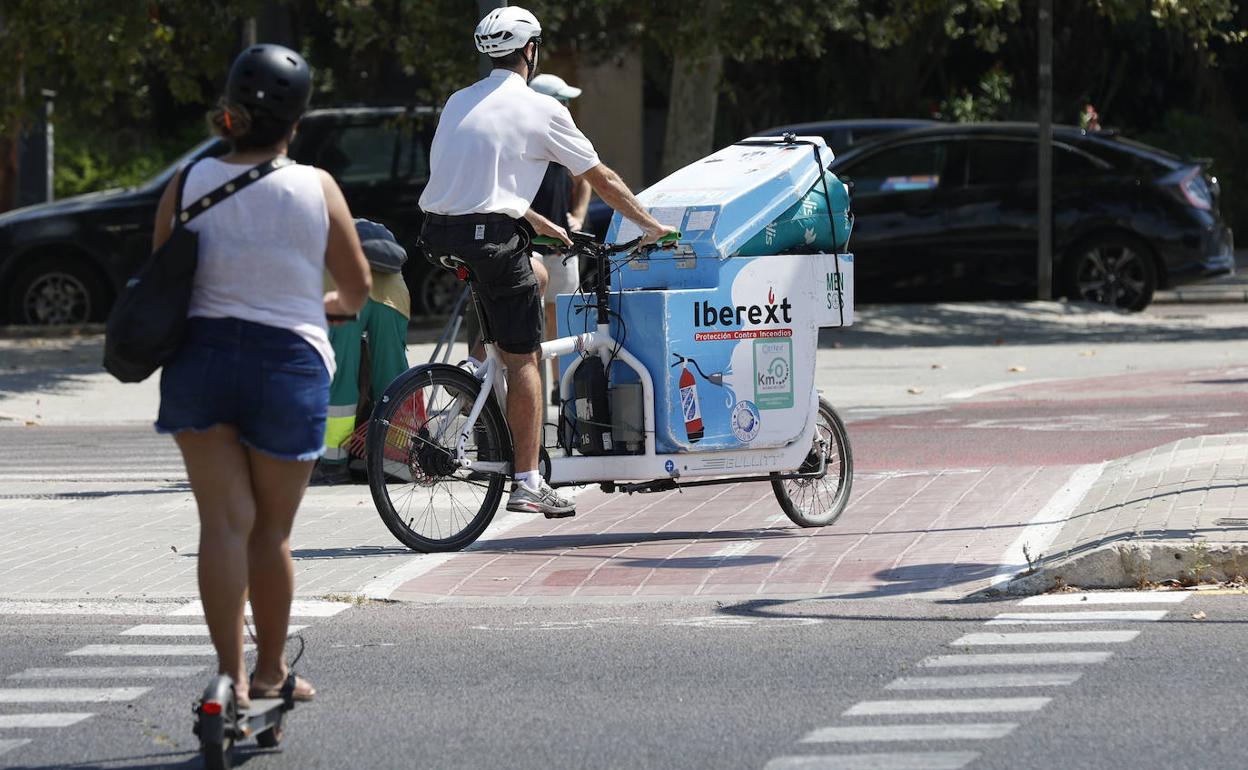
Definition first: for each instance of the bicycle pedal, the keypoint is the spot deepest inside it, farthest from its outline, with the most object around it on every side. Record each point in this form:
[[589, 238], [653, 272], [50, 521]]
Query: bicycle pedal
[[559, 514]]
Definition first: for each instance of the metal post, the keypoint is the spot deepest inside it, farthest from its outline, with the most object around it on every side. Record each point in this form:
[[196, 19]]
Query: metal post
[[49, 156], [485, 6], [1044, 207]]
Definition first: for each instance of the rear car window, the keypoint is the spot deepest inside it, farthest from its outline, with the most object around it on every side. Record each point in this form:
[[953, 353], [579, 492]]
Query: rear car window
[[909, 167], [359, 153], [1000, 162]]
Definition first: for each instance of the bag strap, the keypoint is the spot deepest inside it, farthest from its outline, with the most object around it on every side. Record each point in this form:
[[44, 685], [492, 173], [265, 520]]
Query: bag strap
[[229, 188]]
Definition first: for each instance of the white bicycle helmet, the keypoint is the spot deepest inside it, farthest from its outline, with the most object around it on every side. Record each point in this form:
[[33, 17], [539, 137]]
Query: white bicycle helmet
[[504, 30]]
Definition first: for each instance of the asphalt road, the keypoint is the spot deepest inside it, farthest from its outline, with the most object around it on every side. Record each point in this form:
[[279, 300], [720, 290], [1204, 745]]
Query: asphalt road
[[687, 685]]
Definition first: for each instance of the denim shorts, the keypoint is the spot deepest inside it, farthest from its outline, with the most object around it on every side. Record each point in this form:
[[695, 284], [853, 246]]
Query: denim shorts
[[267, 382]]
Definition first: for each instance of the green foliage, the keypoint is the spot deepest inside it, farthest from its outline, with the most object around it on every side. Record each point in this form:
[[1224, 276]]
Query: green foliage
[[1226, 142], [91, 160], [987, 102]]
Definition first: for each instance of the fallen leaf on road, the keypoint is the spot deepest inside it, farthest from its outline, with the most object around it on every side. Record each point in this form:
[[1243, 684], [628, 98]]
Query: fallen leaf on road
[[1018, 368], [999, 341], [914, 391], [173, 548], [1199, 615], [1086, 353], [32, 423], [938, 366]]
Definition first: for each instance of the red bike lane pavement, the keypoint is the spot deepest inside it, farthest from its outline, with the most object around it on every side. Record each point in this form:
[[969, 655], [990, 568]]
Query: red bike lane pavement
[[938, 498]]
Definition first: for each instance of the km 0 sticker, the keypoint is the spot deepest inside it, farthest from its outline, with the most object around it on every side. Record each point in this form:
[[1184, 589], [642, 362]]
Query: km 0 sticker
[[773, 374]]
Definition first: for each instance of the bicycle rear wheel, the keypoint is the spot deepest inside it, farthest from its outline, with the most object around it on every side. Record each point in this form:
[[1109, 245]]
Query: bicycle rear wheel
[[817, 502], [427, 501]]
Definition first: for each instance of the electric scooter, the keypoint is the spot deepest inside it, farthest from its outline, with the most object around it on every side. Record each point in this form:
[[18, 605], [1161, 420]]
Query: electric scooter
[[219, 723]]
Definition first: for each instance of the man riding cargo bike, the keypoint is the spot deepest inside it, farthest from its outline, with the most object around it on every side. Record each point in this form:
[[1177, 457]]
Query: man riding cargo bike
[[444, 439]]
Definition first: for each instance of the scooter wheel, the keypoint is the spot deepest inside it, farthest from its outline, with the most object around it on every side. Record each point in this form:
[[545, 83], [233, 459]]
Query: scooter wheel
[[216, 756], [272, 738]]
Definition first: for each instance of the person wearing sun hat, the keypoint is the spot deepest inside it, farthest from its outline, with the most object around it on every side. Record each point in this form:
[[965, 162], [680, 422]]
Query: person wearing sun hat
[[384, 319], [564, 201]]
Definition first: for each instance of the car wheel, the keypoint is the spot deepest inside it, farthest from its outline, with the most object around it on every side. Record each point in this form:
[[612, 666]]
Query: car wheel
[[1112, 269], [57, 290], [437, 291]]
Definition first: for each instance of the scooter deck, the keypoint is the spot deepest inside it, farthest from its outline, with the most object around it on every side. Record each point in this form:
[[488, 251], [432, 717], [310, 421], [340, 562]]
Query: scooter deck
[[264, 714]]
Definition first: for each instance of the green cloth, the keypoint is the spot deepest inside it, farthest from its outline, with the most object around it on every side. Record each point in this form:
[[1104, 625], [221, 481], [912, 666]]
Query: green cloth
[[387, 347]]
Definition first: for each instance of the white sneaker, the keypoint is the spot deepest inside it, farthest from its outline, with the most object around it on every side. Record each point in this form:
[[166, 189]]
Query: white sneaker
[[545, 501]]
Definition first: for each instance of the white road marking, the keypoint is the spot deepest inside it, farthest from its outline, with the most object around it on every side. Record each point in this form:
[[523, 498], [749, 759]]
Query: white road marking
[[926, 732], [70, 694], [84, 608], [299, 608], [176, 629], [1040, 532], [735, 549], [959, 395], [111, 672], [8, 744], [926, 760], [1106, 597], [148, 650], [946, 706], [1016, 659], [1043, 679], [419, 564], [1091, 616], [59, 719], [1048, 637]]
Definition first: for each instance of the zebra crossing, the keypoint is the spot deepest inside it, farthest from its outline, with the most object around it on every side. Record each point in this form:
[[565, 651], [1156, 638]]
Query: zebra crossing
[[95, 677], [999, 667]]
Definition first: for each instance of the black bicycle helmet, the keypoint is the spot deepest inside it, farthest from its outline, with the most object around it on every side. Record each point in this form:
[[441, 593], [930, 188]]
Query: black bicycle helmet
[[273, 78]]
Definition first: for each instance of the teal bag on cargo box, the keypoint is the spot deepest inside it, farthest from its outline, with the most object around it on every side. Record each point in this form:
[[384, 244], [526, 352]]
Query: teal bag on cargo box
[[805, 226]]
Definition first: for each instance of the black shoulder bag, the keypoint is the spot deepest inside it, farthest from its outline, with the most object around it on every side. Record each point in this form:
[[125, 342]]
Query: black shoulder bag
[[148, 321]]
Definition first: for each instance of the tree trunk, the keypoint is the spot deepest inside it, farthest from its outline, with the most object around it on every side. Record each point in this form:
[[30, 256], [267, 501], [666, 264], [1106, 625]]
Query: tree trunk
[[694, 98]]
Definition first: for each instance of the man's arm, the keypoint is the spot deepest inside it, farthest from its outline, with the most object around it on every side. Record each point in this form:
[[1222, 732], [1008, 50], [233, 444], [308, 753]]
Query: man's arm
[[543, 226], [611, 188]]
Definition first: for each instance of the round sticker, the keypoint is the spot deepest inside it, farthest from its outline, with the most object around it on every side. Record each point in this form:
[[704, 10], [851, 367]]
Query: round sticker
[[669, 466], [745, 421]]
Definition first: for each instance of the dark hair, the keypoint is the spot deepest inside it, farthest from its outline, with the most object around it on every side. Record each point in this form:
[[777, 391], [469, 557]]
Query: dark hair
[[248, 128]]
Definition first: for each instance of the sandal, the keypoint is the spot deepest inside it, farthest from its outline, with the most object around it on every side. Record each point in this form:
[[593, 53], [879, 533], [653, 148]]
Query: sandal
[[295, 689]]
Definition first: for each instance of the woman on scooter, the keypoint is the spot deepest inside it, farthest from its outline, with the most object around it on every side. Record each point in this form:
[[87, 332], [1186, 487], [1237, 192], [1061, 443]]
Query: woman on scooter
[[246, 397]]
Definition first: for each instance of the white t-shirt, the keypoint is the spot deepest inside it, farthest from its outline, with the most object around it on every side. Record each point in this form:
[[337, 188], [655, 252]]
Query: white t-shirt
[[493, 143]]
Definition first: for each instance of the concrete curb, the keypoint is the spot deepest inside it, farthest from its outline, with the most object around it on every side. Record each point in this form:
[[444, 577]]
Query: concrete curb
[[1201, 297], [1132, 564]]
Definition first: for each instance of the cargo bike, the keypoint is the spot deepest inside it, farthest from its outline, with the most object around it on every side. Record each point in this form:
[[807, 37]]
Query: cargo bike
[[689, 369]]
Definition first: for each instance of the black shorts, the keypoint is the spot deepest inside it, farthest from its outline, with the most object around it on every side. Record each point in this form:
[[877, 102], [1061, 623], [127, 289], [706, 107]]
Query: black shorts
[[496, 255]]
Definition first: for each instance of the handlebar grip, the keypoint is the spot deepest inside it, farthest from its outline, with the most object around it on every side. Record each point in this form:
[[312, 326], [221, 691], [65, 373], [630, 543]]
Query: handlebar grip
[[669, 238], [546, 240]]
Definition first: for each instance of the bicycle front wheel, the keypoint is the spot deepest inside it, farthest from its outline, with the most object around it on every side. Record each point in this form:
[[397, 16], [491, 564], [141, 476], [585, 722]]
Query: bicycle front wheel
[[818, 501], [425, 499]]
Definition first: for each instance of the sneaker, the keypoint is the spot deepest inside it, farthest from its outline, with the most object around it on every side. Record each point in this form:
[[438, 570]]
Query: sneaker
[[545, 501]]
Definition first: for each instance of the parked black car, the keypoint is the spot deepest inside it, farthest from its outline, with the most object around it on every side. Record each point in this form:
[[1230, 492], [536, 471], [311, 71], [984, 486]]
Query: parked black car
[[63, 262], [949, 213]]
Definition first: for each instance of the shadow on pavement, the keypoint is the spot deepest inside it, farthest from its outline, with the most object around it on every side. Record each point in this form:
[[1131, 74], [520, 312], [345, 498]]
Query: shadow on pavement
[[1018, 323], [166, 760], [48, 365], [540, 543]]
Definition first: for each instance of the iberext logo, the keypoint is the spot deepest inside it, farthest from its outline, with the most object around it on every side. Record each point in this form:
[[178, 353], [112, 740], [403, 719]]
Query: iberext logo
[[706, 314]]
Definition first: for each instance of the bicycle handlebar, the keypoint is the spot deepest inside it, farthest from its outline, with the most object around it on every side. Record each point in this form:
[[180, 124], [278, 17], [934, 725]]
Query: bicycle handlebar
[[583, 240]]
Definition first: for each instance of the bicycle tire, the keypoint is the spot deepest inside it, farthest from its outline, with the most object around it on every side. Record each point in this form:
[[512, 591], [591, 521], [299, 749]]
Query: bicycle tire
[[411, 440], [808, 502]]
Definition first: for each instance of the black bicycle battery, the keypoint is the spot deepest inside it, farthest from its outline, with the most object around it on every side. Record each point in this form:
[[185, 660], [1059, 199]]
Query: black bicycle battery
[[590, 423]]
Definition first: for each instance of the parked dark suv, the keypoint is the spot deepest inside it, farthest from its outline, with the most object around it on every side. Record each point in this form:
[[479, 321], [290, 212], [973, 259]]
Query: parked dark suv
[[949, 213], [63, 262]]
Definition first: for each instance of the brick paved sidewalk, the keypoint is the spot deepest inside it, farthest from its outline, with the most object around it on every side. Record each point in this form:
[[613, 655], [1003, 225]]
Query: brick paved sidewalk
[[1178, 511]]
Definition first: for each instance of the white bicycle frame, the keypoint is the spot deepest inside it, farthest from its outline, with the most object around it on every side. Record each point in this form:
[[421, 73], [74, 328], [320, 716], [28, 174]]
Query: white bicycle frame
[[647, 466]]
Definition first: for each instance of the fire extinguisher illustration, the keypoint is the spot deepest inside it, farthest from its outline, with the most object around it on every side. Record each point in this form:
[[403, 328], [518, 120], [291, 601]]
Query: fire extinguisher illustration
[[689, 405]]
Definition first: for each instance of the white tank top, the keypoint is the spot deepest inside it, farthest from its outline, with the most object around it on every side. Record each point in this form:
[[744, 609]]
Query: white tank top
[[262, 250]]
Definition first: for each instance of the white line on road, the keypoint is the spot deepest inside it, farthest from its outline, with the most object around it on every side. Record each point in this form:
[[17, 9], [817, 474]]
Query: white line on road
[[299, 608], [1043, 679], [419, 564], [959, 395], [59, 719], [1091, 616], [85, 608], [1040, 532], [735, 549], [1016, 659], [926, 760], [176, 629], [949, 706], [110, 672], [1106, 597], [70, 694], [1048, 637], [8, 744], [148, 650], [928, 732]]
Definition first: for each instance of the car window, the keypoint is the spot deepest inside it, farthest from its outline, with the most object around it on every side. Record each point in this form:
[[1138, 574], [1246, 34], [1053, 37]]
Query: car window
[[359, 153], [1071, 163], [413, 155], [909, 167], [1000, 162]]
